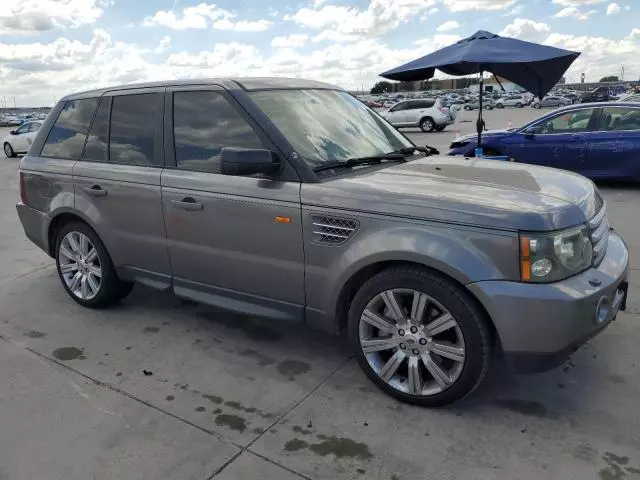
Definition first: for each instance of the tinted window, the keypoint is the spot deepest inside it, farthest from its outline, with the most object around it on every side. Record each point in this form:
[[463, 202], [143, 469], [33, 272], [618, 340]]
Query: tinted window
[[425, 103], [620, 118], [98, 139], [23, 129], [400, 106], [568, 122], [133, 129], [204, 123], [68, 134], [34, 126]]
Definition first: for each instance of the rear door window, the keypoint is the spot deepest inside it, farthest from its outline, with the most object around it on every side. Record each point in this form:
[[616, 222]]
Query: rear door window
[[66, 138], [620, 118], [132, 135], [204, 123]]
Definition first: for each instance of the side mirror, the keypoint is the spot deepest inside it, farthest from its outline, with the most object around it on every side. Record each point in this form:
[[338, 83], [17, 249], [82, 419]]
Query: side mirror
[[13, 132], [246, 161], [530, 132]]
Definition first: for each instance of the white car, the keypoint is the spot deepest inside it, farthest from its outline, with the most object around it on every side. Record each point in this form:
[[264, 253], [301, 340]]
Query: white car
[[514, 100], [20, 139], [428, 114]]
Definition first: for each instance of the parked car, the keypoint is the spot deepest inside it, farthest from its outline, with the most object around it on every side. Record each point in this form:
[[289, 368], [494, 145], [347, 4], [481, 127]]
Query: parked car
[[634, 97], [599, 141], [20, 139], [474, 104], [511, 101], [572, 97], [292, 200], [550, 101], [428, 114], [389, 104], [600, 94], [10, 121]]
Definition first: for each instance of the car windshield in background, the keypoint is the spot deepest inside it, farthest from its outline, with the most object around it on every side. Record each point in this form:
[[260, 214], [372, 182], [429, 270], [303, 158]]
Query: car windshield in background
[[328, 125]]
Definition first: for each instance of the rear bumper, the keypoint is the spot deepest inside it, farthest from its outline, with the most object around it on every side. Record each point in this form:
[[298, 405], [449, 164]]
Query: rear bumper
[[35, 224], [540, 325]]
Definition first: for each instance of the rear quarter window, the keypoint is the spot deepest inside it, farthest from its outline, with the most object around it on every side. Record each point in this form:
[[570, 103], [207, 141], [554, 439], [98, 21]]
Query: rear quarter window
[[69, 132]]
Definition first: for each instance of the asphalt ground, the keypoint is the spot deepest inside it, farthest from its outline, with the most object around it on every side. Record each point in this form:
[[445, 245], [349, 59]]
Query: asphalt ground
[[159, 388]]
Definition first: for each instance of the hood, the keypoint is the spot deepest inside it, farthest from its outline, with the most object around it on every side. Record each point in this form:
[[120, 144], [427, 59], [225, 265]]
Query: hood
[[485, 134], [501, 195]]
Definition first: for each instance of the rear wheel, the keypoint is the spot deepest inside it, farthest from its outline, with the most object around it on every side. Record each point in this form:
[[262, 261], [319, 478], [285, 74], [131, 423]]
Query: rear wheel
[[8, 150], [419, 337], [427, 124], [499, 105], [85, 268], [467, 107], [519, 105], [537, 105]]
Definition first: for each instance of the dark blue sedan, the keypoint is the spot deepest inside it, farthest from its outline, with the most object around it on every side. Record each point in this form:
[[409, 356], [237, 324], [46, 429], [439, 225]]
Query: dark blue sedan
[[599, 141]]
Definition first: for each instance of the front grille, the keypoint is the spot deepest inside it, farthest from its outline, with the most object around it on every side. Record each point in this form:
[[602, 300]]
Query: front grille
[[333, 230], [599, 232]]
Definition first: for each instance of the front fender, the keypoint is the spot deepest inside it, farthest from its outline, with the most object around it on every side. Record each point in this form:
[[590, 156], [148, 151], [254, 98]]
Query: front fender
[[466, 254]]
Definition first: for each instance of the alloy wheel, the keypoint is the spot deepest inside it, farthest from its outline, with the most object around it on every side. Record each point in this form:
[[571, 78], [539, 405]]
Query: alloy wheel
[[80, 265], [8, 151], [412, 342]]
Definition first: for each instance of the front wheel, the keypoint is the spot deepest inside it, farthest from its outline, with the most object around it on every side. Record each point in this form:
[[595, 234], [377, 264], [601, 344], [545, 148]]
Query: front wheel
[[519, 105], [499, 105], [8, 150], [419, 337], [85, 268], [536, 105], [427, 125]]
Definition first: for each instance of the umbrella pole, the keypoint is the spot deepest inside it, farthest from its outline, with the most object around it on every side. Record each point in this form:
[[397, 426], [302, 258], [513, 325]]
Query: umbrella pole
[[480, 121]]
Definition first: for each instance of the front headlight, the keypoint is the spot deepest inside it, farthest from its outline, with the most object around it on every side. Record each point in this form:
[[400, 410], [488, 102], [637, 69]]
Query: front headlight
[[549, 257]]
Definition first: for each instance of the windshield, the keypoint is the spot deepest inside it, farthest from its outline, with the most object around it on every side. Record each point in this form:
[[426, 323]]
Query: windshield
[[328, 125]]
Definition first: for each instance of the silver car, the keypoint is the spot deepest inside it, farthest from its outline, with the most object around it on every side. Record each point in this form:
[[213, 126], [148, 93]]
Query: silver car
[[429, 114], [293, 201]]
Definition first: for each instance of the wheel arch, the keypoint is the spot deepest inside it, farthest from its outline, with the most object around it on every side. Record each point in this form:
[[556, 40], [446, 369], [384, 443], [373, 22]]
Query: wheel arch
[[358, 278], [59, 220]]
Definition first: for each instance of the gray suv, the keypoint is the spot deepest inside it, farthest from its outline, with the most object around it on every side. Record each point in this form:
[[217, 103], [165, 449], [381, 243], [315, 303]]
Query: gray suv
[[293, 201]]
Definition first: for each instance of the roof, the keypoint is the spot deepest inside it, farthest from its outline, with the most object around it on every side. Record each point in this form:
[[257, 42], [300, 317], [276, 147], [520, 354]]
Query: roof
[[229, 83], [599, 105]]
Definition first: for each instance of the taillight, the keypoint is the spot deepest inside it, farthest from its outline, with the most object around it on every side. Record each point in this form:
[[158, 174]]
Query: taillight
[[443, 109], [23, 190]]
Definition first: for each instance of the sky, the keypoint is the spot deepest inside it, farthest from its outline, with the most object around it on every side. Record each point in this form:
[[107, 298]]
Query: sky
[[49, 48]]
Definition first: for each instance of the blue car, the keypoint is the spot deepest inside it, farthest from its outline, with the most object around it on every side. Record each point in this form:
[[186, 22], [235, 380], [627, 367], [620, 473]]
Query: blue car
[[597, 140]]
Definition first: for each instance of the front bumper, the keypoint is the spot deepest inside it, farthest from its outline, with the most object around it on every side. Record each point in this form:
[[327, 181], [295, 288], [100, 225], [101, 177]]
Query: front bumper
[[540, 325]]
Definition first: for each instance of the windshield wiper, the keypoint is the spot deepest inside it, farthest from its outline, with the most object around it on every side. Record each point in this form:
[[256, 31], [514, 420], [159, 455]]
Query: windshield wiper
[[426, 149], [354, 162]]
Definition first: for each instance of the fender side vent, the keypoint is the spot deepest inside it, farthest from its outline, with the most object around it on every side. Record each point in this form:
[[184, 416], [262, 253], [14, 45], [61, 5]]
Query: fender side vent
[[332, 230]]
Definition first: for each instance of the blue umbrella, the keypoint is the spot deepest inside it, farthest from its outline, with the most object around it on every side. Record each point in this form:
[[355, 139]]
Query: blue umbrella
[[535, 67]]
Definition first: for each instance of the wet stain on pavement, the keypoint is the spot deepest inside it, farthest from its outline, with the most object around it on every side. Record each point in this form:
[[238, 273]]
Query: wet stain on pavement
[[200, 409], [252, 329], [241, 408], [169, 398], [217, 411], [341, 447], [361, 471], [262, 360], [68, 353], [619, 379], [302, 431], [234, 422], [34, 334], [617, 467], [213, 398], [295, 445], [151, 329], [291, 368], [525, 407], [584, 451]]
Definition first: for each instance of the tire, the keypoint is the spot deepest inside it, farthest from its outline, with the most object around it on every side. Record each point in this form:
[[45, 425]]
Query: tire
[[440, 128], [8, 150], [427, 124], [519, 105], [467, 107], [537, 105], [466, 359], [91, 290], [499, 105]]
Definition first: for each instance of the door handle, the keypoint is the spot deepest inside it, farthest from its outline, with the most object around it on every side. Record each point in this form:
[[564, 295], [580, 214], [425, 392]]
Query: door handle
[[96, 191], [187, 203]]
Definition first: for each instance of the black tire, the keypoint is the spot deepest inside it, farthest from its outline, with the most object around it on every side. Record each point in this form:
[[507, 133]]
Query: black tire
[[112, 289], [461, 305], [440, 128], [499, 105], [467, 107], [537, 105], [8, 150], [427, 124], [519, 105]]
